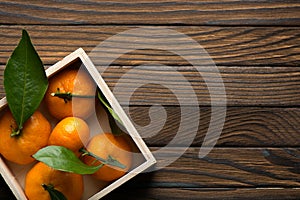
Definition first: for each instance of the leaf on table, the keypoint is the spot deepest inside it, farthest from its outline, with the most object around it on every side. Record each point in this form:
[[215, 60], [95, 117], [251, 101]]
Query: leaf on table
[[25, 80], [63, 159]]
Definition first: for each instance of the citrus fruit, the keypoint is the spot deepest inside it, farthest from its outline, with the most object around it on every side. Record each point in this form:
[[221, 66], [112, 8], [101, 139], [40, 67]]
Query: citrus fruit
[[71, 132], [33, 136], [42, 176], [71, 92], [107, 145]]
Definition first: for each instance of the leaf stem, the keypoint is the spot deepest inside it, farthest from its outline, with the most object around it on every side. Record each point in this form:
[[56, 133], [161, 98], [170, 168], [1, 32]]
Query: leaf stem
[[67, 96], [109, 161], [115, 123], [103, 100]]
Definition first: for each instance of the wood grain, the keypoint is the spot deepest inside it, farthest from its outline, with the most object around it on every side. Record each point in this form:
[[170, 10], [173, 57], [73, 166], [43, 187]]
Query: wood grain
[[243, 127], [151, 12], [251, 86], [225, 167], [264, 46], [205, 194]]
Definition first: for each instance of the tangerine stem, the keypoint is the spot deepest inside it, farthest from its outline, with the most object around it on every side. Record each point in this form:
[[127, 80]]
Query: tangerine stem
[[15, 133], [54, 194], [67, 96], [109, 161]]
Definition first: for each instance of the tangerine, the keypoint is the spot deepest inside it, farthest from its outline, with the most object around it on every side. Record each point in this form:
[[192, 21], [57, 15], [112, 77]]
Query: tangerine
[[107, 145], [42, 176], [34, 136], [71, 132], [71, 93]]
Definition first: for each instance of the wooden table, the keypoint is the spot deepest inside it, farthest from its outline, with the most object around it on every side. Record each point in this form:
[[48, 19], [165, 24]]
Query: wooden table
[[256, 46]]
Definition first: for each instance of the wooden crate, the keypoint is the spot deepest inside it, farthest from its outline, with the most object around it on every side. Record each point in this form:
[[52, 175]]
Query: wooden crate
[[14, 174]]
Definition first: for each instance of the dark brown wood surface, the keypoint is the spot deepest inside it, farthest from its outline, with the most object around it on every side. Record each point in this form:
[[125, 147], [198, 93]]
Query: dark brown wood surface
[[243, 127], [256, 47], [227, 45], [211, 12]]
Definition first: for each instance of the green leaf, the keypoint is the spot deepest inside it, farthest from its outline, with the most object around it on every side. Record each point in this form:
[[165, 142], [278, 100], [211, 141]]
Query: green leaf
[[114, 120], [54, 194], [25, 80], [63, 159], [108, 107], [109, 161]]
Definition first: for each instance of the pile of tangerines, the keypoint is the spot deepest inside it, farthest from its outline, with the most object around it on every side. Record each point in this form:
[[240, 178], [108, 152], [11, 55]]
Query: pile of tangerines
[[71, 131]]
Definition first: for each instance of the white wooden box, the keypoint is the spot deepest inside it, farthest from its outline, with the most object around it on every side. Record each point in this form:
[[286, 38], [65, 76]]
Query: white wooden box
[[14, 174]]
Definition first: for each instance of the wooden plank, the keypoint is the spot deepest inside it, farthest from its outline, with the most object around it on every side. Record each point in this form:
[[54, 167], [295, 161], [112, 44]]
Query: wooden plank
[[205, 194], [243, 127], [276, 46], [247, 86], [211, 12], [264, 86], [225, 167]]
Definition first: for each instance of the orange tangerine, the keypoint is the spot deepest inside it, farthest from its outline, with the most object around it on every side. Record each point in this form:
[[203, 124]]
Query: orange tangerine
[[71, 93], [42, 176], [34, 136], [108, 145], [70, 132]]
